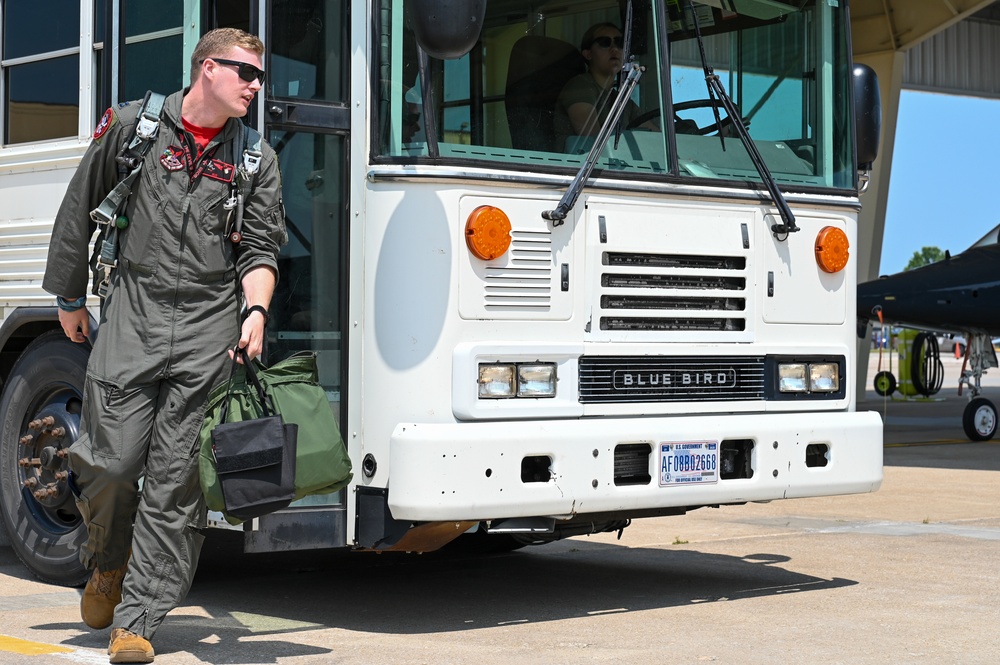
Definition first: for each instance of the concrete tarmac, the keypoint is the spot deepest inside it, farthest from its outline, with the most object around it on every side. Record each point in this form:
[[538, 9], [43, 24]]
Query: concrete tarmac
[[908, 574]]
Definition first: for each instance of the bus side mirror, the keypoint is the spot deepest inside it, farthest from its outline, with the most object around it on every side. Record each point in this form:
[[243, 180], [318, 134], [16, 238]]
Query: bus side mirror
[[867, 115], [446, 29]]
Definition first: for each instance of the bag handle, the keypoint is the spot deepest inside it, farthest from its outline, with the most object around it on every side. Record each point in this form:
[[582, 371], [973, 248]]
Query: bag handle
[[266, 405], [265, 398]]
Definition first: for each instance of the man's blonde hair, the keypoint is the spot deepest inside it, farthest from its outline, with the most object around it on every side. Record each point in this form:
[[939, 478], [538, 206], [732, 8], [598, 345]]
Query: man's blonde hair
[[218, 42]]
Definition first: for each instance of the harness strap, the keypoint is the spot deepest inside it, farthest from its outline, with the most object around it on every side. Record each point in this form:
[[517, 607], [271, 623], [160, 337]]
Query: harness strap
[[130, 160], [250, 139], [147, 126], [105, 212]]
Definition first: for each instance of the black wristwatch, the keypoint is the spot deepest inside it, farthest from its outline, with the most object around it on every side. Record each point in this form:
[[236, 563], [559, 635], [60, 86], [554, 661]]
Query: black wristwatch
[[261, 309]]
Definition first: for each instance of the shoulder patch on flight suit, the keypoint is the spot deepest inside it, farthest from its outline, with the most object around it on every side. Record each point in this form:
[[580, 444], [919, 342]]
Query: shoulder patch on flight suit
[[107, 121]]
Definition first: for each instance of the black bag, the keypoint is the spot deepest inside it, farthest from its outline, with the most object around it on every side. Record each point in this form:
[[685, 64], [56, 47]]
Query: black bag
[[255, 459]]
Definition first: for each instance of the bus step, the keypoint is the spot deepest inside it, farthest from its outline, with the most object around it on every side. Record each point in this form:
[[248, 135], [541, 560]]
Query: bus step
[[523, 525]]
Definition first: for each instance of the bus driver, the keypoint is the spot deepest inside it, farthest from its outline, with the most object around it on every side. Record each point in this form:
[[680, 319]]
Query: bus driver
[[586, 99]]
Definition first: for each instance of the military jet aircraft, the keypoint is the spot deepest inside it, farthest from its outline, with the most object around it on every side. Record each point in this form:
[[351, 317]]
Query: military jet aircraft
[[960, 294]]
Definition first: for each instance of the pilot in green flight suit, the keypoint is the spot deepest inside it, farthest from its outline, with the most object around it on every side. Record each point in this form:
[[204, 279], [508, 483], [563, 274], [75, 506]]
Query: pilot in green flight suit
[[166, 325]]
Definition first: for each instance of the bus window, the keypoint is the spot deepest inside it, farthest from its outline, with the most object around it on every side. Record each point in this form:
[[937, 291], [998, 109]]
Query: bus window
[[154, 47], [505, 100], [306, 307], [306, 50], [514, 99], [40, 69], [778, 61]]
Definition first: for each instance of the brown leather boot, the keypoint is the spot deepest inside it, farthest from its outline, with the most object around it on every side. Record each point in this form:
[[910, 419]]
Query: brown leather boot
[[100, 597], [127, 647]]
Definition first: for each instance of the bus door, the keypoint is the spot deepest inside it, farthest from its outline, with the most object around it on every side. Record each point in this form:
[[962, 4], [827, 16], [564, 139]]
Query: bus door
[[306, 121]]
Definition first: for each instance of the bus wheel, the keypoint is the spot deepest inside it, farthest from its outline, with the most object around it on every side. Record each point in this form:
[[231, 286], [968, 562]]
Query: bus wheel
[[885, 383], [980, 419], [41, 406]]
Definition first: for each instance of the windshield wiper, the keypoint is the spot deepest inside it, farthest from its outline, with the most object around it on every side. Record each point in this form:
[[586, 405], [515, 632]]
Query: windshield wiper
[[568, 200], [715, 86], [625, 81], [626, 58]]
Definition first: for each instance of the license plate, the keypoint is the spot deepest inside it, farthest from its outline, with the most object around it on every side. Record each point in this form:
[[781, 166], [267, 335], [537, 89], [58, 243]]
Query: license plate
[[689, 463]]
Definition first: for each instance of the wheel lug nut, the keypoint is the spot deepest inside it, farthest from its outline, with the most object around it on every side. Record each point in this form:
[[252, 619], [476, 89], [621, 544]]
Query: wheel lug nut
[[42, 423], [46, 492], [59, 432], [26, 439], [30, 482]]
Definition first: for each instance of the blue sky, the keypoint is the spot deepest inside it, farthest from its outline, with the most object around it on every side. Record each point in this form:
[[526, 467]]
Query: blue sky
[[944, 190]]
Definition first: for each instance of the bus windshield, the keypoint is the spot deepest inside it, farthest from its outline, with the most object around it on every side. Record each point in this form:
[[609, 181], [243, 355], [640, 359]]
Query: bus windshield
[[535, 89]]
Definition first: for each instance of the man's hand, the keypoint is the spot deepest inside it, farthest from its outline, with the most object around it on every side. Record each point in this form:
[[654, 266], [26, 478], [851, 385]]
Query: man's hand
[[251, 336], [258, 285], [75, 324]]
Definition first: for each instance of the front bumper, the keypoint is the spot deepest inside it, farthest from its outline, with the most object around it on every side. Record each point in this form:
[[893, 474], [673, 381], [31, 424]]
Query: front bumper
[[472, 471]]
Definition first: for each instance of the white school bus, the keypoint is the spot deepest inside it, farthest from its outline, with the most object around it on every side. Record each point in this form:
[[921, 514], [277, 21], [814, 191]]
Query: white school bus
[[527, 330]]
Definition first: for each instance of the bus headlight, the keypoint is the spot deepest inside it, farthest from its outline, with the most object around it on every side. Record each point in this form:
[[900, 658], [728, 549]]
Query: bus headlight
[[505, 380], [792, 378], [496, 381], [806, 377], [824, 377], [537, 380]]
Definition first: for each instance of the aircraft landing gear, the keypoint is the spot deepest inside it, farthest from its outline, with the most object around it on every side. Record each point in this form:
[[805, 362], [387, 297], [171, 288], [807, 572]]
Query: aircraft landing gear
[[980, 417]]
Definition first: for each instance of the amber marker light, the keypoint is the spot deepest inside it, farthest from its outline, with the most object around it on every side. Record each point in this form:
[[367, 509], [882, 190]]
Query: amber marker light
[[832, 249], [487, 233]]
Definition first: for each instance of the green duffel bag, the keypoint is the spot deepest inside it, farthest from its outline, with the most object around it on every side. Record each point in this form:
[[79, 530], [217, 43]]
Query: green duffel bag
[[321, 462]]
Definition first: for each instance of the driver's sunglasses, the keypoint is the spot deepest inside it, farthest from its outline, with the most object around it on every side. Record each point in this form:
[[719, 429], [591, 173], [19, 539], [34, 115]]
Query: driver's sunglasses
[[246, 71], [605, 41]]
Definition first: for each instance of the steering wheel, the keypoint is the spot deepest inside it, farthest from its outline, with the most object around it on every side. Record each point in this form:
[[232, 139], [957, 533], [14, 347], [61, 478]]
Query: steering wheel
[[646, 116], [685, 106]]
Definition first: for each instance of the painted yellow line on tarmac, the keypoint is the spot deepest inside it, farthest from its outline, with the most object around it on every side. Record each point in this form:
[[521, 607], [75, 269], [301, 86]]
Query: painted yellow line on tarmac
[[26, 648]]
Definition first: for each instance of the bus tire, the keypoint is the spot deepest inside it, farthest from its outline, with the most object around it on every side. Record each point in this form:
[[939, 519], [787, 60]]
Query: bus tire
[[41, 406], [979, 420]]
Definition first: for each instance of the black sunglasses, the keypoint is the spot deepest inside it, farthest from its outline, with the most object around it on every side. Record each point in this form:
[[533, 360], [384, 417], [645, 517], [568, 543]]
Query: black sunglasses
[[605, 41], [247, 72]]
